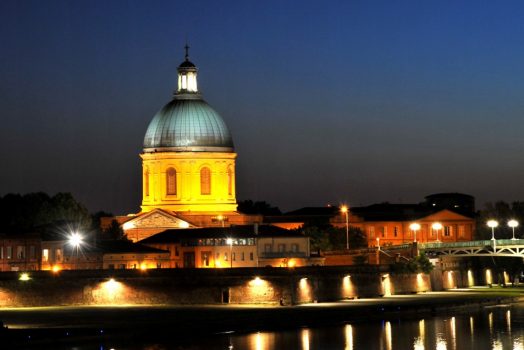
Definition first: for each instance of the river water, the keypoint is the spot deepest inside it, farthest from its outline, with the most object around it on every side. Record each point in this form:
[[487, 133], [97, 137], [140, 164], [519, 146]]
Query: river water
[[497, 328]]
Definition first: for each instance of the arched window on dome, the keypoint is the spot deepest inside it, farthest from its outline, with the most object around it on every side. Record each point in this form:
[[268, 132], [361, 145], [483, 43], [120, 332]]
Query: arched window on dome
[[146, 182], [229, 181], [205, 181], [171, 181]]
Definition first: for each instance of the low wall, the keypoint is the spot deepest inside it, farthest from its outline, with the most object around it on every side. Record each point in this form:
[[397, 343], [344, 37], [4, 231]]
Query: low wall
[[205, 286]]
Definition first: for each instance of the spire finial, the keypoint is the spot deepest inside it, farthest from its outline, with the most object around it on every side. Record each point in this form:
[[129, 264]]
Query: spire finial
[[187, 51]]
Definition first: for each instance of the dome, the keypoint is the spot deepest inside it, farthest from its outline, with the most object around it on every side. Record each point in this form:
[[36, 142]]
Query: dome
[[187, 124]]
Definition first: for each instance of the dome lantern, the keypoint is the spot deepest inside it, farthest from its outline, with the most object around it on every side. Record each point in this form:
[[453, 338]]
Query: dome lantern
[[187, 76]]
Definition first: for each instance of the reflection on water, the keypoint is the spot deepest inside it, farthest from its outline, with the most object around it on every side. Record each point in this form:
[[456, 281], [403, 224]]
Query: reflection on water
[[348, 331], [495, 328]]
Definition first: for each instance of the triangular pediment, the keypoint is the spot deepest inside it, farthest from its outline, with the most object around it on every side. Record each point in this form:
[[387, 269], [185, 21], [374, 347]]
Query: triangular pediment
[[157, 218], [445, 215]]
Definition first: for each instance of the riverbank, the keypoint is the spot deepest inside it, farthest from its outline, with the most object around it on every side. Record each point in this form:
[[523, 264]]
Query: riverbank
[[42, 325]]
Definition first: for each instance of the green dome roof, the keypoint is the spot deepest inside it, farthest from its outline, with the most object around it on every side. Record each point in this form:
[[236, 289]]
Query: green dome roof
[[188, 124]]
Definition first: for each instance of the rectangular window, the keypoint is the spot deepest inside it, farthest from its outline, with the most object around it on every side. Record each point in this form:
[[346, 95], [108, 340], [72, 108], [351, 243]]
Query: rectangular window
[[2, 253], [31, 252], [9, 252], [58, 255], [281, 248], [371, 232], [384, 231], [122, 266], [294, 248], [395, 231], [20, 252], [461, 231], [251, 256], [233, 256], [448, 231], [242, 256], [205, 258], [267, 248], [225, 256]]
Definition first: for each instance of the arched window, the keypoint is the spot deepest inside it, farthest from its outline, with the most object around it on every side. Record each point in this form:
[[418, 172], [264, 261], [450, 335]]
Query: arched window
[[229, 181], [205, 181], [146, 182], [171, 181]]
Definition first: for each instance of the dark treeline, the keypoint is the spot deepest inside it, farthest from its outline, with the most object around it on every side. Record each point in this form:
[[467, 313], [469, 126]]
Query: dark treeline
[[36, 212]]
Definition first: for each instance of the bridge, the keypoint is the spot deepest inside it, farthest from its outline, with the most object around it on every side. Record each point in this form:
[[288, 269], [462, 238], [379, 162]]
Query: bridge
[[500, 247]]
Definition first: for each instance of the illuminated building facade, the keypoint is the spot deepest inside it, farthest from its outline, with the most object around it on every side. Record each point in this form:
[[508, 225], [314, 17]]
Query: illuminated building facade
[[188, 162], [236, 246], [20, 253], [188, 167]]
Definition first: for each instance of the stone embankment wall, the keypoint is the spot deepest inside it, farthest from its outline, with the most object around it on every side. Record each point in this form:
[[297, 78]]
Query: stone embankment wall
[[205, 286]]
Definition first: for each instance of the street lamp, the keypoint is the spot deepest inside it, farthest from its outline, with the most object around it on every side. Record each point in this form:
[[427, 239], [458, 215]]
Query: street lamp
[[378, 243], [437, 226], [221, 218], [75, 241], [492, 224], [414, 227], [344, 209], [513, 224], [230, 242]]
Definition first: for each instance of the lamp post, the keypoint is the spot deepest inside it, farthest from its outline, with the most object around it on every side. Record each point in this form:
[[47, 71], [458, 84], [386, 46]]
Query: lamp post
[[492, 224], [344, 209], [414, 227], [437, 226], [513, 224], [75, 240], [230, 242], [378, 243]]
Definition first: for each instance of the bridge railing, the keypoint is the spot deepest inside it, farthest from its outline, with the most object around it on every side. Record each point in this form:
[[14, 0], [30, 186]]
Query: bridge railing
[[487, 242]]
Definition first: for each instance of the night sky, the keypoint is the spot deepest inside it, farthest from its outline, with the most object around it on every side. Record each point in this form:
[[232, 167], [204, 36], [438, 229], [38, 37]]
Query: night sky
[[327, 101]]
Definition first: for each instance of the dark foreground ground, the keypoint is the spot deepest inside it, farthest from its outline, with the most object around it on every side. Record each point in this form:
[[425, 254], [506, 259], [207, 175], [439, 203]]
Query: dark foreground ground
[[48, 325]]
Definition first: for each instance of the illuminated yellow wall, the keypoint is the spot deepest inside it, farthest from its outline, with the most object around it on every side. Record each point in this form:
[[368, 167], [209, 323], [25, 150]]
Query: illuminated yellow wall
[[188, 166]]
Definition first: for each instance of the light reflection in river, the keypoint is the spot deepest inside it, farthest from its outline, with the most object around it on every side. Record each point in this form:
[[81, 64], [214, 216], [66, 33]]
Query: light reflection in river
[[387, 335], [494, 328], [348, 331], [305, 339]]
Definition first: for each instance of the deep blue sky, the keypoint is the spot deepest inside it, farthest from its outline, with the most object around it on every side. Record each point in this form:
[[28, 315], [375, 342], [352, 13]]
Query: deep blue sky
[[328, 101]]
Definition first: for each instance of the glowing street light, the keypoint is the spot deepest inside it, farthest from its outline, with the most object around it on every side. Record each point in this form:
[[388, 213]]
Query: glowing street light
[[414, 227], [513, 224], [493, 224], [221, 218], [437, 226], [230, 242], [345, 210], [75, 241]]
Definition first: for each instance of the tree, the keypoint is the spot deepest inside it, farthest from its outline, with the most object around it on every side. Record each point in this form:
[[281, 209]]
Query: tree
[[328, 237], [38, 212], [318, 239], [337, 237], [419, 264]]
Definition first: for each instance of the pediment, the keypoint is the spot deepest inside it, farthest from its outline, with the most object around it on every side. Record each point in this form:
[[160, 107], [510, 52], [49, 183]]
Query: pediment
[[157, 219]]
